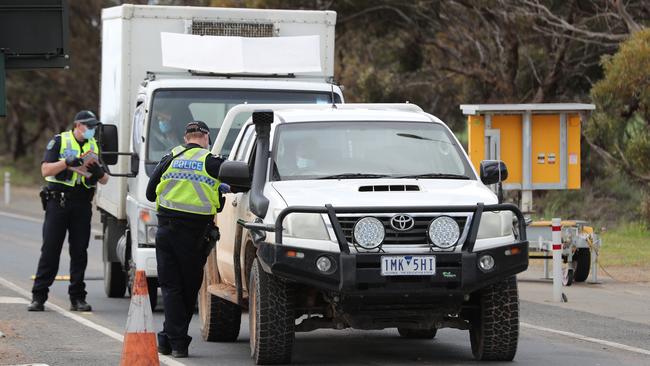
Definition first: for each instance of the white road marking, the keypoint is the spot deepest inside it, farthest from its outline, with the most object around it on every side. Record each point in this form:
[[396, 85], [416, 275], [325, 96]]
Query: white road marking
[[36, 220], [588, 339], [79, 319], [13, 300]]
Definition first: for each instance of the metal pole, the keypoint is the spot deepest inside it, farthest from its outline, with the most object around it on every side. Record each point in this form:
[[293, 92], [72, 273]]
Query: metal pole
[[594, 262], [546, 261], [3, 105], [556, 227], [7, 188]]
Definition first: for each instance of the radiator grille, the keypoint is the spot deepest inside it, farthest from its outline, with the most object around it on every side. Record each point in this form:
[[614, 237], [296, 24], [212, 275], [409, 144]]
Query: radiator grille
[[416, 235], [208, 28]]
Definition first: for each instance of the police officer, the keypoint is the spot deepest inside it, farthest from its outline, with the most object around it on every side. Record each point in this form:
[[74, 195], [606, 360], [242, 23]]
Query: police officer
[[71, 170], [185, 188]]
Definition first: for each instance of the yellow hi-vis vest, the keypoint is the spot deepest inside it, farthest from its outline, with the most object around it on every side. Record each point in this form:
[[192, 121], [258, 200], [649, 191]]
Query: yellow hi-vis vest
[[70, 147], [186, 185]]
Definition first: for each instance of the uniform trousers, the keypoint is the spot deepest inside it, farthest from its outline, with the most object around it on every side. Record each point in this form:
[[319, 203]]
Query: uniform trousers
[[180, 253], [73, 217]]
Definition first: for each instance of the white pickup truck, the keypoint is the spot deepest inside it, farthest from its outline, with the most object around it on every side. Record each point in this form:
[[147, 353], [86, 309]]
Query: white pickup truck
[[164, 66], [367, 216]]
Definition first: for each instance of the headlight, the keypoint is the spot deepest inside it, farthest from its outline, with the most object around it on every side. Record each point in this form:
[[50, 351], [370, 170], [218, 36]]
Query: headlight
[[305, 226], [495, 224], [147, 227], [444, 232], [369, 232]]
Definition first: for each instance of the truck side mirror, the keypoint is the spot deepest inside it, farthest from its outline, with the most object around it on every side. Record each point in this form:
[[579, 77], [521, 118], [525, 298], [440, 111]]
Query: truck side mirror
[[493, 171], [236, 174], [108, 144]]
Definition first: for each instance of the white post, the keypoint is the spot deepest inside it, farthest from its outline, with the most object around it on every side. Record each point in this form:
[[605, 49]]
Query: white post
[[556, 226], [7, 188]]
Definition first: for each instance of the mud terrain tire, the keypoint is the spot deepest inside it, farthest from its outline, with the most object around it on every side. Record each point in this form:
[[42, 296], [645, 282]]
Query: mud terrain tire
[[272, 319], [494, 331]]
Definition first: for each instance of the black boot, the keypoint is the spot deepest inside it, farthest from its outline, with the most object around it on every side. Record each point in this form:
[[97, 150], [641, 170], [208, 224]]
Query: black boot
[[80, 305], [36, 305]]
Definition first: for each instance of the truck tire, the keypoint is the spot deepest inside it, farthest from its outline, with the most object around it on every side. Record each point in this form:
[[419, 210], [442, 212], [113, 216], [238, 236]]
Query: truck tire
[[494, 330], [582, 259], [152, 287], [272, 319], [417, 333], [114, 279], [220, 319]]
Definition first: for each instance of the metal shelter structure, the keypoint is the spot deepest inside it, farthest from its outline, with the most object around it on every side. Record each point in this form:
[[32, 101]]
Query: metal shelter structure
[[540, 143]]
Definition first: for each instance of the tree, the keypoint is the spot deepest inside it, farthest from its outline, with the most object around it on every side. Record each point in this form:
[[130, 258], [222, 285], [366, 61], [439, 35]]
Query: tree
[[619, 129]]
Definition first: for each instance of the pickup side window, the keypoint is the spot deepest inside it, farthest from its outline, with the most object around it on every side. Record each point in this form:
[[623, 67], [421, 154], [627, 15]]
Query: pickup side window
[[246, 142], [138, 126]]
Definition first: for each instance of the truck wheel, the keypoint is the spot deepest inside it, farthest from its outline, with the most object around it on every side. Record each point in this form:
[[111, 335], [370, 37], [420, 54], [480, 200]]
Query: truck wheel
[[152, 287], [494, 330], [417, 333], [220, 319], [582, 258], [272, 319], [114, 279]]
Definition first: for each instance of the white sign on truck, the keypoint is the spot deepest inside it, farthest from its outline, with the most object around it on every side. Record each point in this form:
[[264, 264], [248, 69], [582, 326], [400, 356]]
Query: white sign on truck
[[148, 95]]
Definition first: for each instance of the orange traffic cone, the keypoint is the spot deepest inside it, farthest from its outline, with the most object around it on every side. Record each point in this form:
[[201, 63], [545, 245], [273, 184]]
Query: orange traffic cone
[[140, 339]]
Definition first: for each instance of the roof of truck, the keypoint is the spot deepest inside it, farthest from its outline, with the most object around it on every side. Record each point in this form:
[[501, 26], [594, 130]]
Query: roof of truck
[[197, 82]]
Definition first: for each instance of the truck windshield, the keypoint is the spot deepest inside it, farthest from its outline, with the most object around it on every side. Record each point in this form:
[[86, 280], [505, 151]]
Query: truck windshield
[[173, 109], [348, 150]]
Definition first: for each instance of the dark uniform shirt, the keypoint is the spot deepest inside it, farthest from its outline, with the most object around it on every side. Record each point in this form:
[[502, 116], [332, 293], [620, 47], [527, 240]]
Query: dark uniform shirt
[[52, 156], [212, 165]]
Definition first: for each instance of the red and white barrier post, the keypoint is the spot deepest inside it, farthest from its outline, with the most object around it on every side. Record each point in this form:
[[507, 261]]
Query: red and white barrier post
[[556, 226]]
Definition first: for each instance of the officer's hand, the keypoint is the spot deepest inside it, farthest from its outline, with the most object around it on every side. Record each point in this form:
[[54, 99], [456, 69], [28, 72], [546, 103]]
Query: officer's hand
[[73, 161], [96, 170], [224, 188]]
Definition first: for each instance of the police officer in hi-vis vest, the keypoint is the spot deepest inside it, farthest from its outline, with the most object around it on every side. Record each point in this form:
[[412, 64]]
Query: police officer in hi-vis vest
[[71, 168], [186, 190]]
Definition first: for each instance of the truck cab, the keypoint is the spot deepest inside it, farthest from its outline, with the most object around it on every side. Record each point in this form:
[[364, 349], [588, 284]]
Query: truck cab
[[157, 77]]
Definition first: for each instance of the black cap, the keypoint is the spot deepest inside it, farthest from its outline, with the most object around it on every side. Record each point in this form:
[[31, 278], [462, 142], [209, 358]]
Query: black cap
[[197, 126], [87, 117]]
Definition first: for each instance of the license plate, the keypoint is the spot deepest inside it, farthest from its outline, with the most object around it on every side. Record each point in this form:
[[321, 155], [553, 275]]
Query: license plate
[[408, 265]]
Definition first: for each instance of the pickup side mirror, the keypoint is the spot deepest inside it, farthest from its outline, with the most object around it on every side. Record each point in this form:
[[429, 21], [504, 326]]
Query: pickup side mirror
[[493, 171], [236, 174], [108, 144]]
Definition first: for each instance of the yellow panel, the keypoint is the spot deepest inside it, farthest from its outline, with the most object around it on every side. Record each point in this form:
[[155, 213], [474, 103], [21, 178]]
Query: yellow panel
[[573, 149], [546, 148], [476, 140], [509, 126]]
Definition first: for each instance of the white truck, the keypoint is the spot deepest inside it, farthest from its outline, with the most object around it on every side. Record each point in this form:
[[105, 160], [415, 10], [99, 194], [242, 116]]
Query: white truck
[[163, 66], [365, 216]]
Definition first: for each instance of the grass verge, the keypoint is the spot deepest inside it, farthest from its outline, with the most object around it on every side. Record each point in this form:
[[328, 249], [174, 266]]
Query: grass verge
[[627, 245]]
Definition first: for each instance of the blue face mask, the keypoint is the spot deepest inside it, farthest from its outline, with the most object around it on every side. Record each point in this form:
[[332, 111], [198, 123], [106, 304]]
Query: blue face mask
[[164, 126], [89, 133]]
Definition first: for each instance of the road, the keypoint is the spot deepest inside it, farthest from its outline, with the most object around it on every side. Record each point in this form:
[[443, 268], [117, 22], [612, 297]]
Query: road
[[53, 339]]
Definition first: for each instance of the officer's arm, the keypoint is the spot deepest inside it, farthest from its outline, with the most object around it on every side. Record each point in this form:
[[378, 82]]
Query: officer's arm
[[51, 165], [52, 169], [155, 177], [212, 165]]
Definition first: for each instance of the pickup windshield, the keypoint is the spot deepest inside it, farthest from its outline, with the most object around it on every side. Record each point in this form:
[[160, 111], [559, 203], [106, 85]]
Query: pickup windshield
[[172, 109], [366, 150]]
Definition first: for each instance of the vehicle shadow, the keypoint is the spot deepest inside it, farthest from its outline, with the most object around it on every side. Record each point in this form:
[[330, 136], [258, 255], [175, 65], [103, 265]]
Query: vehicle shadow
[[351, 347]]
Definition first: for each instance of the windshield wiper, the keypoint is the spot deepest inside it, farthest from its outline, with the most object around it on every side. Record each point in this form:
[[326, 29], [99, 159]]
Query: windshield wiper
[[353, 175], [434, 176]]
